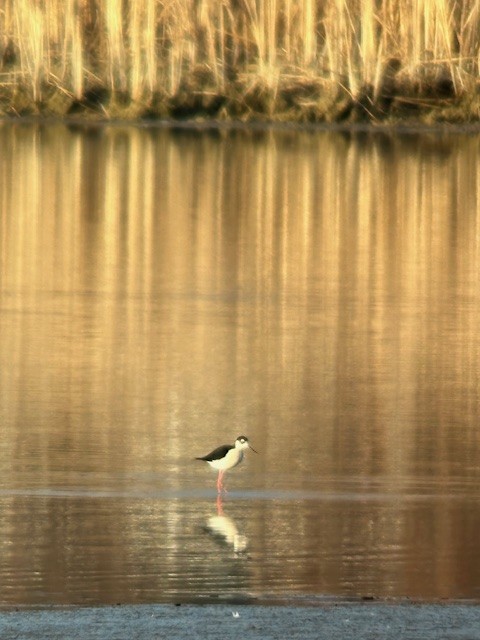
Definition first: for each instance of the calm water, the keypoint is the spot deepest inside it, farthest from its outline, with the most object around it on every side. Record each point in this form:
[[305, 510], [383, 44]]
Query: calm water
[[163, 292]]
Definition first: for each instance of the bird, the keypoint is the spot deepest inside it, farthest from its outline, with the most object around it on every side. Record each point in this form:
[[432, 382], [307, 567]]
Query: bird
[[226, 457]]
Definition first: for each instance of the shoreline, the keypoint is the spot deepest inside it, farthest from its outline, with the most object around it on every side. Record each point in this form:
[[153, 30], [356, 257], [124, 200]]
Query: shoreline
[[193, 106], [406, 127], [288, 602]]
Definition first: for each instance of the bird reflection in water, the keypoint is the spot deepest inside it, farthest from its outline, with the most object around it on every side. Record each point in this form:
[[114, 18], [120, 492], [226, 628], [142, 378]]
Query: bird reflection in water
[[224, 529]]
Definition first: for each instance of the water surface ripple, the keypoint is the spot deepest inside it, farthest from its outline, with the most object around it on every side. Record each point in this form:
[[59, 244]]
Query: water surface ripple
[[163, 292]]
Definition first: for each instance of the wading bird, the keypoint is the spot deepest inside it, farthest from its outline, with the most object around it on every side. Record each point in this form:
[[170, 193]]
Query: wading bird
[[226, 457]]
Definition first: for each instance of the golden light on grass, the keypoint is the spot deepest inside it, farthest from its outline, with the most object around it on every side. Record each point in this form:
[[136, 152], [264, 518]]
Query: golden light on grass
[[296, 59]]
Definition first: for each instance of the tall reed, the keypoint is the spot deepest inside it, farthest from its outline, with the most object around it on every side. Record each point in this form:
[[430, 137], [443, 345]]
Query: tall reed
[[142, 48]]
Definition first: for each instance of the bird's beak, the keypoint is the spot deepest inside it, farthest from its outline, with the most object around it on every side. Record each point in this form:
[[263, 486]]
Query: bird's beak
[[250, 447]]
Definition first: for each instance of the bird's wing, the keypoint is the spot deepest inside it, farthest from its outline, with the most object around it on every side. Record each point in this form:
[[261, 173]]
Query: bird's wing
[[218, 453]]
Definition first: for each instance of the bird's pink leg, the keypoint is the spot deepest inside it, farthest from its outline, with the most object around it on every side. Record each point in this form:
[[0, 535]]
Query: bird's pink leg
[[219, 481]]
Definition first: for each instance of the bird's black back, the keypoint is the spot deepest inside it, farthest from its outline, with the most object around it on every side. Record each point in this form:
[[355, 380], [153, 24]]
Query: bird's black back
[[218, 453]]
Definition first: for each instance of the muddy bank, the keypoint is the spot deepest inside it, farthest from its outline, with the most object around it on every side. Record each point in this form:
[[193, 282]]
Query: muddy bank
[[246, 622], [293, 100]]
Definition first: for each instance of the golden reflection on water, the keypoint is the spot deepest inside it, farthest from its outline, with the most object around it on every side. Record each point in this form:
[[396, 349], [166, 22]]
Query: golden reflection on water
[[164, 291]]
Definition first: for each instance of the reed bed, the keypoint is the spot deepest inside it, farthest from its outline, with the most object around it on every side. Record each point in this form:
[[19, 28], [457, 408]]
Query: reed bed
[[316, 60]]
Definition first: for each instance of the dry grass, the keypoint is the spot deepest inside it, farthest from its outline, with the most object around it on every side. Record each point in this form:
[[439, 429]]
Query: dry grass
[[315, 59]]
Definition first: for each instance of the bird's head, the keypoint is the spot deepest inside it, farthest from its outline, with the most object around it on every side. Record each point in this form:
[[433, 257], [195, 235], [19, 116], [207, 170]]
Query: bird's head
[[242, 443]]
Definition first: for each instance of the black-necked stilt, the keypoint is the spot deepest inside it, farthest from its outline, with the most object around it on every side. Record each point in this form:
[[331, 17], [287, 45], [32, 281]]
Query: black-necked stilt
[[226, 457]]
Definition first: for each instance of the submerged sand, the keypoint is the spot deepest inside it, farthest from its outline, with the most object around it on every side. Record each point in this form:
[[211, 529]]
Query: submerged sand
[[246, 622]]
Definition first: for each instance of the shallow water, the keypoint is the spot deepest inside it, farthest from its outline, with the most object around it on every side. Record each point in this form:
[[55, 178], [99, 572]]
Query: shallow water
[[163, 292]]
